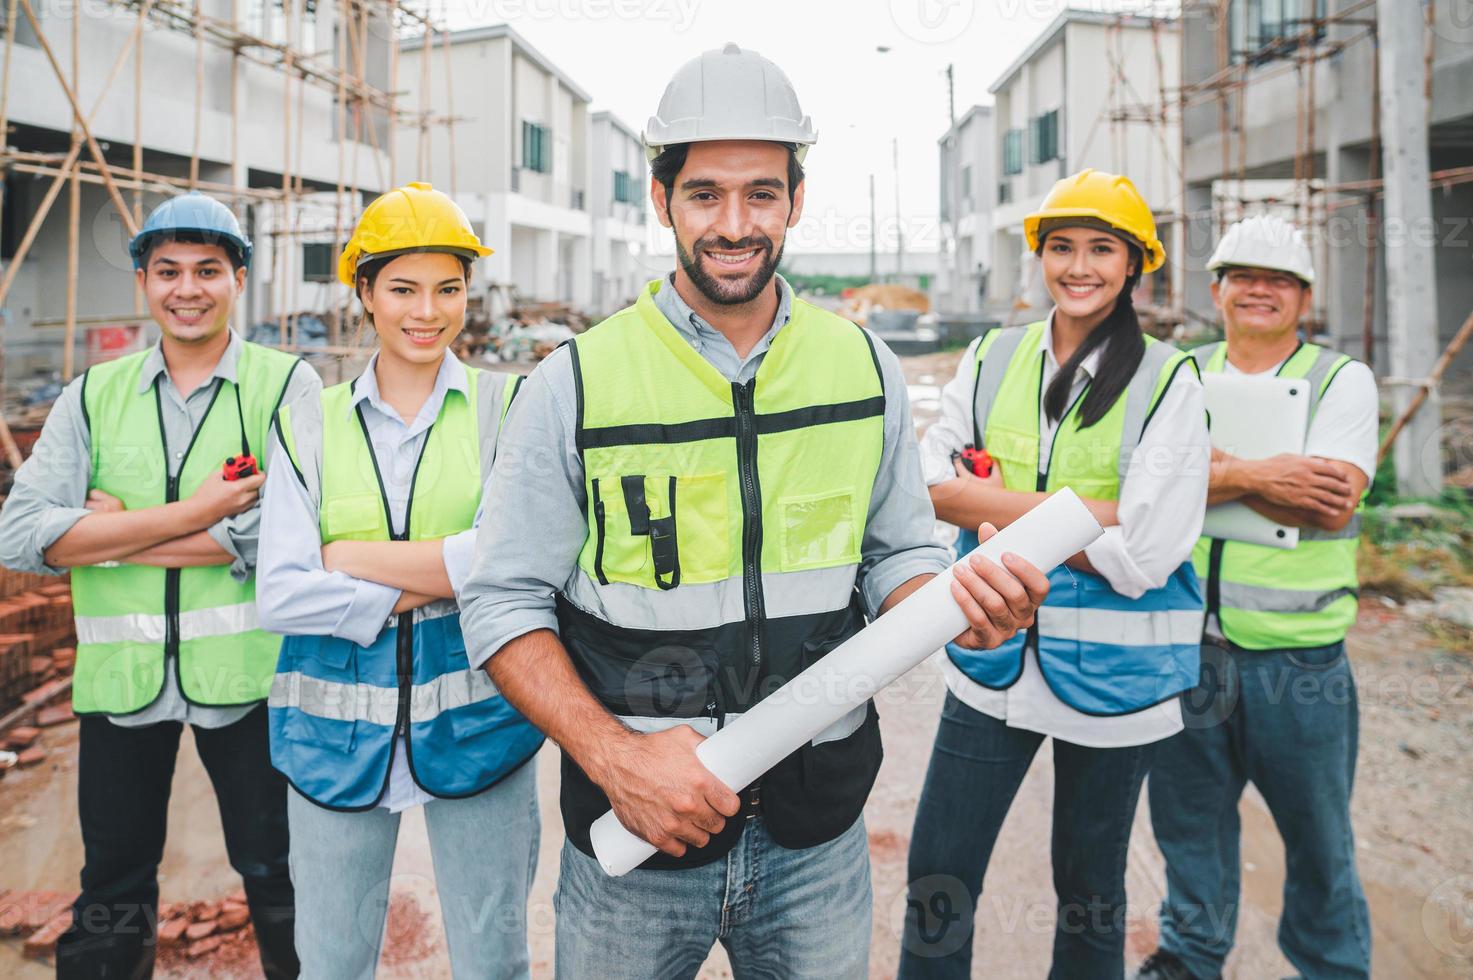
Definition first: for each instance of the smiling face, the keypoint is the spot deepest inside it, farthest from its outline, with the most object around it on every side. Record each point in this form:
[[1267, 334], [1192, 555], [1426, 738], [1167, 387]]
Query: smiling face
[[730, 209], [417, 302], [1260, 302], [1084, 270], [190, 288]]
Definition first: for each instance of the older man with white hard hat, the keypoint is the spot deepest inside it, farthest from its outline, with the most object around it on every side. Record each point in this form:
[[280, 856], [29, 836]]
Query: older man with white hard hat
[[1277, 704]]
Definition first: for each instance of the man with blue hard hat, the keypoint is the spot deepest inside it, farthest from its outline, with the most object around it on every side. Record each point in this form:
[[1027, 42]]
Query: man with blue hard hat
[[144, 484]]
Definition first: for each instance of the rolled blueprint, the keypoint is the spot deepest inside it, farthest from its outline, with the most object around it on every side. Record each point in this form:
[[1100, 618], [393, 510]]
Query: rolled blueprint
[[857, 669]]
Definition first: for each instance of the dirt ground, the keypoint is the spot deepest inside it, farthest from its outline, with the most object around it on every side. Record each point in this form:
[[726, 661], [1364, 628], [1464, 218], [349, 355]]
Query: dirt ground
[[1413, 810]]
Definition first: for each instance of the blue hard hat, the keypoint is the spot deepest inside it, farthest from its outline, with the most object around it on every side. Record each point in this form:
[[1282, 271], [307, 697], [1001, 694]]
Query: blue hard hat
[[191, 213]]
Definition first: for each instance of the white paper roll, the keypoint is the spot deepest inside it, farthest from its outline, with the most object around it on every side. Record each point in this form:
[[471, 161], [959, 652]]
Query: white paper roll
[[853, 673]]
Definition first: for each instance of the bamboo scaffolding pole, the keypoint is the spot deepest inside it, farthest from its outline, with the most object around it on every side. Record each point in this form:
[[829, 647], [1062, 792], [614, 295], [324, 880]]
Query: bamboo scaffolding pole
[[5, 92], [1424, 388], [449, 107], [81, 120], [74, 222], [199, 97], [137, 135]]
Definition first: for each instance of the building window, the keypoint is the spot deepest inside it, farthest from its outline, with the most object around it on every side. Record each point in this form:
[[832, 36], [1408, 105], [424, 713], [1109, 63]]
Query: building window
[[623, 187], [536, 148], [1264, 30], [1043, 137], [317, 262], [967, 182], [1012, 152], [1005, 192]]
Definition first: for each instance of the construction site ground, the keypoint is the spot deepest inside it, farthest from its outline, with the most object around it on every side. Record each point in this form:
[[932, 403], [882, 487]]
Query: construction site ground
[[1413, 806]]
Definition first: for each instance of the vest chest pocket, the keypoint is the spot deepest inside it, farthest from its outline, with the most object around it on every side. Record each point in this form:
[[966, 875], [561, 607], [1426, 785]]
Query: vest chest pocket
[[350, 514], [656, 531], [818, 530]]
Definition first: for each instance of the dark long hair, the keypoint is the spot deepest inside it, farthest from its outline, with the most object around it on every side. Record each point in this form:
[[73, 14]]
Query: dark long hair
[[1124, 345]]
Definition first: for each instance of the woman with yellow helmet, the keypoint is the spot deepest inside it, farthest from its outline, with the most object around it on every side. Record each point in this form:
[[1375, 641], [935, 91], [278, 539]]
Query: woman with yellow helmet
[[367, 538], [1080, 399]]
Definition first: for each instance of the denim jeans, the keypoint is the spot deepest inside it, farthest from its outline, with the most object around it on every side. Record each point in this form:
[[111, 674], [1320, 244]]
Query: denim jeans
[[1288, 721], [484, 849], [124, 778], [781, 914], [976, 767]]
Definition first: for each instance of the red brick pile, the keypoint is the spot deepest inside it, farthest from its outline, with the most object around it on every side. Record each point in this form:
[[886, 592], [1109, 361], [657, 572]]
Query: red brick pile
[[40, 916], [188, 931], [191, 930], [37, 640]]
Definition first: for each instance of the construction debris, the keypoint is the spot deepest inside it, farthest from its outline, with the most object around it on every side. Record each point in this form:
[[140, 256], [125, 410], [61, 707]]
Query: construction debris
[[861, 301]]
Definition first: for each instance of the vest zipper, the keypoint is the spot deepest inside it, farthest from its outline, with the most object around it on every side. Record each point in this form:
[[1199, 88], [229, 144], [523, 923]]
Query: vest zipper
[[1041, 485], [171, 495], [404, 637], [746, 426]]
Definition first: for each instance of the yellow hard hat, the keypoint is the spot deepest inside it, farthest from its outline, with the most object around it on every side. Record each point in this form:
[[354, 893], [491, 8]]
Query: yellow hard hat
[[1100, 197], [412, 218]]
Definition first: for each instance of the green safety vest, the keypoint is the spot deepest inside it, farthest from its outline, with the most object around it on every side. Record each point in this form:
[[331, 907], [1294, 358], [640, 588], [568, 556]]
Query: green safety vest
[[1269, 598], [1093, 461], [725, 524], [339, 468], [130, 618]]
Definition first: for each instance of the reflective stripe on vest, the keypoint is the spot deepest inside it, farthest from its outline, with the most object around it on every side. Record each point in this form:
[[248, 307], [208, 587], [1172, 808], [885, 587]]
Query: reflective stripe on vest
[[725, 524], [337, 707], [131, 618], [1100, 653], [1271, 598]]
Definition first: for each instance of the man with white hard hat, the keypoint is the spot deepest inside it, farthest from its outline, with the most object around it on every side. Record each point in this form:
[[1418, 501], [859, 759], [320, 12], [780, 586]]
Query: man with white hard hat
[[726, 485], [1277, 703]]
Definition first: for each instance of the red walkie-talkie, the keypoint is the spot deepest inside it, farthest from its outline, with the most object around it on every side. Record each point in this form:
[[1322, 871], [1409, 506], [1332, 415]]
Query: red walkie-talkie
[[979, 461], [240, 467]]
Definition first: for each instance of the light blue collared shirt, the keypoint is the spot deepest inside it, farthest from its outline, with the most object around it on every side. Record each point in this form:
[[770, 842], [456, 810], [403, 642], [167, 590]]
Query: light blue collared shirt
[[535, 501]]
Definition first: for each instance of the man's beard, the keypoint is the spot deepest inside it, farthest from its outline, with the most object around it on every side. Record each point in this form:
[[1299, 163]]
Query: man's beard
[[724, 291]]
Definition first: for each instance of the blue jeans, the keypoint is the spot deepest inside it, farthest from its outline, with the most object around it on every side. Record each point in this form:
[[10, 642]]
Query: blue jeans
[[781, 914], [976, 767], [1288, 721], [484, 849]]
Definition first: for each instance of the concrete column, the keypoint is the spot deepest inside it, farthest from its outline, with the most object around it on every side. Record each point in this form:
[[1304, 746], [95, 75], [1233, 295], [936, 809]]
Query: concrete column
[[1344, 250], [1408, 238], [1201, 239], [548, 258]]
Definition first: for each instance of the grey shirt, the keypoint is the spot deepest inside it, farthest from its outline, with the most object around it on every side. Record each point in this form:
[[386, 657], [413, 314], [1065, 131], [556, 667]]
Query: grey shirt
[[535, 505], [50, 494]]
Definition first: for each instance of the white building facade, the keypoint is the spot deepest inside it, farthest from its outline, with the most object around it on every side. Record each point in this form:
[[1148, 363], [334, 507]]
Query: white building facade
[[968, 192], [521, 163], [621, 214], [1054, 114]]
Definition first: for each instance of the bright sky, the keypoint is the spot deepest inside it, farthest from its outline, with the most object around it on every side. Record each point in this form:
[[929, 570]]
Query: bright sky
[[623, 52]]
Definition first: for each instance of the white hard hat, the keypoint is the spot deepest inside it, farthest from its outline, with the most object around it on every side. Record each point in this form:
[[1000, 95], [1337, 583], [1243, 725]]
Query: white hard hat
[[729, 94], [1265, 241]]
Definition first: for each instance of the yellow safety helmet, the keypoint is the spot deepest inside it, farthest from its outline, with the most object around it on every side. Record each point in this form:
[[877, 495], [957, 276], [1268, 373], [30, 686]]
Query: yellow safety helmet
[[1109, 199], [412, 218]]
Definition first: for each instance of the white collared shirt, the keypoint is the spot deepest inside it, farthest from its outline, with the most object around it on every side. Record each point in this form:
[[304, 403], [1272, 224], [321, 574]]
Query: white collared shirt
[[1160, 509]]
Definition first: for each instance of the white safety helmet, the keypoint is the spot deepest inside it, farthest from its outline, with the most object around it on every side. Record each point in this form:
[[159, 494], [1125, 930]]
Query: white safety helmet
[[729, 94], [1265, 241]]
